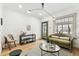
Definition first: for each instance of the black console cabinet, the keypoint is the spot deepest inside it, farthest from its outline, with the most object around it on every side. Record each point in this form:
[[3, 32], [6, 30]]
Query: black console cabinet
[[27, 38]]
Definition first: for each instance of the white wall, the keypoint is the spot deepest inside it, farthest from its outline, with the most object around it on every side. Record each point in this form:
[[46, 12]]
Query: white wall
[[0, 27], [14, 22], [70, 11]]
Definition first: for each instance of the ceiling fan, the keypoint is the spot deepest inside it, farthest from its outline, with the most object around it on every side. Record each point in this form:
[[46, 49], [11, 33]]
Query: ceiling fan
[[42, 8]]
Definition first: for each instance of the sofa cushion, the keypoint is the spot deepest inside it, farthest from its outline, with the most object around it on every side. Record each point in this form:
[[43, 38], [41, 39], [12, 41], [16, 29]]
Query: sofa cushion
[[54, 36], [61, 41], [64, 38]]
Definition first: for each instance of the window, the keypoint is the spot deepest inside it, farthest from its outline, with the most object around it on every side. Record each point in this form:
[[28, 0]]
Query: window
[[66, 24]]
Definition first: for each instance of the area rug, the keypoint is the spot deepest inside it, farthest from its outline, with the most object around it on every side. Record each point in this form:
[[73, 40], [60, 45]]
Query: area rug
[[37, 52]]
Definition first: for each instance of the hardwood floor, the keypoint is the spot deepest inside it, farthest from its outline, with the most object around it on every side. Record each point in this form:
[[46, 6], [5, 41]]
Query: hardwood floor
[[24, 47], [29, 46], [75, 51]]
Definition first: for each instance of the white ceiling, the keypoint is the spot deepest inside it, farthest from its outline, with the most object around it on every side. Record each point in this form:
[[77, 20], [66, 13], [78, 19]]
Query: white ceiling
[[50, 7]]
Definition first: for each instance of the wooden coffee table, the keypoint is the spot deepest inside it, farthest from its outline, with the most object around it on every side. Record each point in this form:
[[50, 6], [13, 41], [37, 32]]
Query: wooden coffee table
[[49, 48]]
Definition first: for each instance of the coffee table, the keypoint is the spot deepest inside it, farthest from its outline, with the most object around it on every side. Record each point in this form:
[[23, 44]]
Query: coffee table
[[49, 48]]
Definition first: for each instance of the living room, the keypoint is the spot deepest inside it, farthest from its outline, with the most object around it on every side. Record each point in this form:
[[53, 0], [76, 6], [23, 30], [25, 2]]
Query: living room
[[29, 18]]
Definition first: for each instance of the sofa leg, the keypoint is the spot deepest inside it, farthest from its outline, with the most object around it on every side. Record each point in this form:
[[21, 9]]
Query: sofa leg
[[71, 50]]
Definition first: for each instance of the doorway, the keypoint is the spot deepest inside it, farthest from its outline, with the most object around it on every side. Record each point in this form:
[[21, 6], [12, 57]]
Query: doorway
[[44, 30]]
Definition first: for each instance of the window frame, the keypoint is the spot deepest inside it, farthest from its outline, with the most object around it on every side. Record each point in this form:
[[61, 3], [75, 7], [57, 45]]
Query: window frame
[[73, 15]]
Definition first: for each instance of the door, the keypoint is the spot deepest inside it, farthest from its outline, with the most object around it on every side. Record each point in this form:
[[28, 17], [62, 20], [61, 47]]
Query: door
[[44, 30]]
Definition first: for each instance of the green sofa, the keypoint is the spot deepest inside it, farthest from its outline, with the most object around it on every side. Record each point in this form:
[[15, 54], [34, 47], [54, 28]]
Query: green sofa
[[61, 40]]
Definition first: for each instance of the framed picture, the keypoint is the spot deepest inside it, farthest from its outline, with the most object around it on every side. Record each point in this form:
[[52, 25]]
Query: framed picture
[[28, 27]]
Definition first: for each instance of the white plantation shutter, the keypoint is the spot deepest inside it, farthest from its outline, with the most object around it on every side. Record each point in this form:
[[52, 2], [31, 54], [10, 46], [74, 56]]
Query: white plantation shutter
[[66, 24]]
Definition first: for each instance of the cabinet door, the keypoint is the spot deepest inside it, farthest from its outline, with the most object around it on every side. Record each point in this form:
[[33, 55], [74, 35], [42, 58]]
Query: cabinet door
[[44, 30]]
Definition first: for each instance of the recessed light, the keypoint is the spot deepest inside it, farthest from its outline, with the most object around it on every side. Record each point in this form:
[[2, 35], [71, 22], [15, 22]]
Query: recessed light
[[20, 6], [40, 14]]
